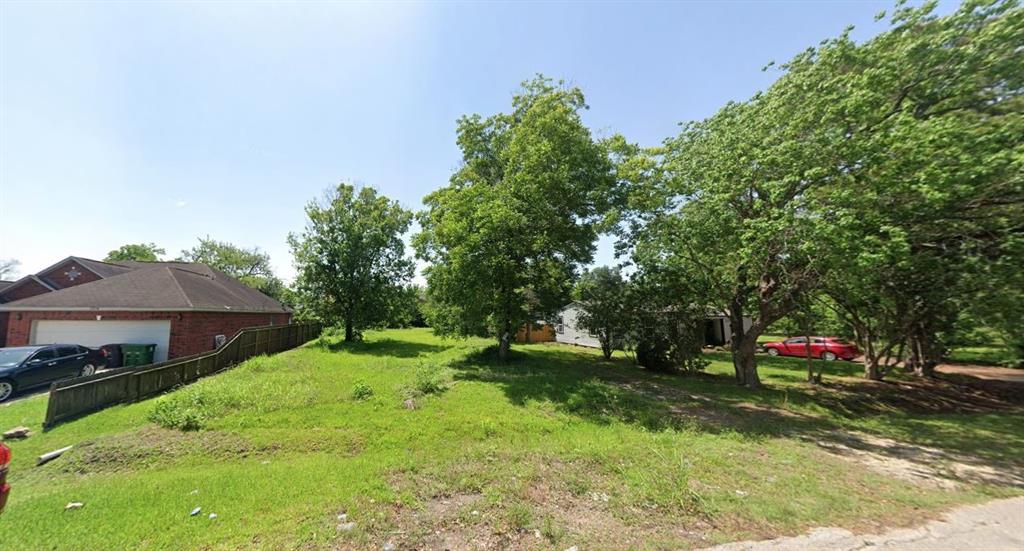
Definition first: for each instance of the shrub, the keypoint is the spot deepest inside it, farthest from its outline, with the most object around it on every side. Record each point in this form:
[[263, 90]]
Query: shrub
[[429, 379], [361, 391], [190, 408], [669, 341]]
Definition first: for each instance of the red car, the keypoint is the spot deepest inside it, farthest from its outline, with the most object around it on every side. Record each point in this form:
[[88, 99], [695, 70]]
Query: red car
[[5, 488], [826, 348]]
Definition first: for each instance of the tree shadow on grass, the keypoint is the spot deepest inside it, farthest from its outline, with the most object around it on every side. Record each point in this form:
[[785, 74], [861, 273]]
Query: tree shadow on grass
[[386, 347], [935, 423]]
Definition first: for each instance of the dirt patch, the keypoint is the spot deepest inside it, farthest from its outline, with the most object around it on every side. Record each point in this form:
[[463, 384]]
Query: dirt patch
[[149, 446], [922, 465], [985, 372]]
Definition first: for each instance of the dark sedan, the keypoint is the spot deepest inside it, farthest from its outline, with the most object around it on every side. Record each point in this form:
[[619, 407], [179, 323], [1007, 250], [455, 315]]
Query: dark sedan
[[24, 367]]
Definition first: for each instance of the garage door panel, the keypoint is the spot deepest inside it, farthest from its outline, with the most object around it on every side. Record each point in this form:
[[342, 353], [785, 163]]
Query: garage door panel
[[97, 333]]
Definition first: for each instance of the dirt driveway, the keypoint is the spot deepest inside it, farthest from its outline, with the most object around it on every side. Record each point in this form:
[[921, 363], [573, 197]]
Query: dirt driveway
[[986, 372]]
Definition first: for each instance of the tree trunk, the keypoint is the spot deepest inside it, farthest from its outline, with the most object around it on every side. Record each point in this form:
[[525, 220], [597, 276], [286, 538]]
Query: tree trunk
[[350, 333], [736, 341], [810, 357], [744, 345], [871, 371], [923, 355], [748, 362], [505, 340]]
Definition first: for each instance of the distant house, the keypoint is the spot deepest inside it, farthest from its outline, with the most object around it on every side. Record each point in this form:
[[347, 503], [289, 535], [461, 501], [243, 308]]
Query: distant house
[[180, 307], [568, 331], [717, 329]]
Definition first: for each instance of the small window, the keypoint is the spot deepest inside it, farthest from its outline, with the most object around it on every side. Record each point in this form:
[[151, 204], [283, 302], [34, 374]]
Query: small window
[[65, 351], [798, 340], [44, 355], [818, 340], [560, 328]]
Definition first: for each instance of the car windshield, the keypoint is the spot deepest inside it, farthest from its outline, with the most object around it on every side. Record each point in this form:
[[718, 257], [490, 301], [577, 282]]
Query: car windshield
[[14, 356]]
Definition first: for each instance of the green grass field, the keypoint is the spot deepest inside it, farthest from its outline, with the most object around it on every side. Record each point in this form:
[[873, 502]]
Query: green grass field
[[552, 449], [994, 354]]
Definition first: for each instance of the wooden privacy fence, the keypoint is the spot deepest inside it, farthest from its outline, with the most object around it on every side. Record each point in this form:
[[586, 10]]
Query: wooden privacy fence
[[74, 397]]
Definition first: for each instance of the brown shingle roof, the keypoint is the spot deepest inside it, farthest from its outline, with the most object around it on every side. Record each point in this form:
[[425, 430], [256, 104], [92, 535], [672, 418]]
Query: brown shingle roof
[[157, 286], [103, 269]]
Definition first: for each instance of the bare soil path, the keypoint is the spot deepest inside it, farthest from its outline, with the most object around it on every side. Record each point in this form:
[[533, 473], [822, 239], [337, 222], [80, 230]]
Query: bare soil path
[[993, 526], [987, 372]]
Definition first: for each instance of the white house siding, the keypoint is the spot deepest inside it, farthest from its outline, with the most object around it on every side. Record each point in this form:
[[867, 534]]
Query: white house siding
[[566, 329]]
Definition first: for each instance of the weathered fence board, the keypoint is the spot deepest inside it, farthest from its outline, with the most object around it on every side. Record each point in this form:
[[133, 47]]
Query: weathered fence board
[[74, 397]]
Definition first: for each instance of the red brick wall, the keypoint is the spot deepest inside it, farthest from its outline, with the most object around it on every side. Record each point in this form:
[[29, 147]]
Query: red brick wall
[[192, 333], [56, 275], [196, 331], [30, 288]]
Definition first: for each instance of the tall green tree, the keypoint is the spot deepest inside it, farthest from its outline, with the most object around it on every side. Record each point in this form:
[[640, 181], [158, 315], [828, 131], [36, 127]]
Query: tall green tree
[[505, 239], [351, 258], [251, 266], [877, 170], [142, 252], [602, 294], [935, 154], [729, 216]]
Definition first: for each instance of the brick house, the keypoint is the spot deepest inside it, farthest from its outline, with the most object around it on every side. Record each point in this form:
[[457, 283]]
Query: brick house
[[181, 307]]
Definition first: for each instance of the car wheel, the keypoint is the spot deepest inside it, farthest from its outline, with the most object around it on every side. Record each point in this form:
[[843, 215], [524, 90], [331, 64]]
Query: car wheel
[[773, 352], [89, 369], [828, 356], [6, 389]]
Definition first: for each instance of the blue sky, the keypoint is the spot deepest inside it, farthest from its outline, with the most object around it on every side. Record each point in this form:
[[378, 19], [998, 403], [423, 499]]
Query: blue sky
[[163, 122]]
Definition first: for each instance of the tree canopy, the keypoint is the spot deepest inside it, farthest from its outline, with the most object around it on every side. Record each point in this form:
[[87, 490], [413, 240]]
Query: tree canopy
[[883, 174], [351, 259], [251, 266], [142, 252], [604, 306], [506, 237]]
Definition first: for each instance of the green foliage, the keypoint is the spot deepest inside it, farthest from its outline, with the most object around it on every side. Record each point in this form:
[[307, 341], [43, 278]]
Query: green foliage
[[142, 252], [604, 312], [430, 379], [361, 390], [669, 341], [249, 266], [351, 259], [410, 307], [932, 204], [884, 174], [504, 239]]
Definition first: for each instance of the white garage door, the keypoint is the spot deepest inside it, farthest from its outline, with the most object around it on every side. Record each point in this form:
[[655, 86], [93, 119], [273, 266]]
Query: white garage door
[[96, 333]]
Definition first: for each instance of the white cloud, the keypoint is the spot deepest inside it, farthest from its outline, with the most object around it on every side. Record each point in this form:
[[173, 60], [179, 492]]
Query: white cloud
[[180, 203]]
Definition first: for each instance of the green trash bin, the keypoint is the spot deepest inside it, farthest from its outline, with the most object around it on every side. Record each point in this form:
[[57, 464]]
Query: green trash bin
[[137, 354]]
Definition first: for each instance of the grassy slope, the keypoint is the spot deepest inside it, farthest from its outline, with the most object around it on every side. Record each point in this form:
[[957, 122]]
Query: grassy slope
[[603, 455]]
